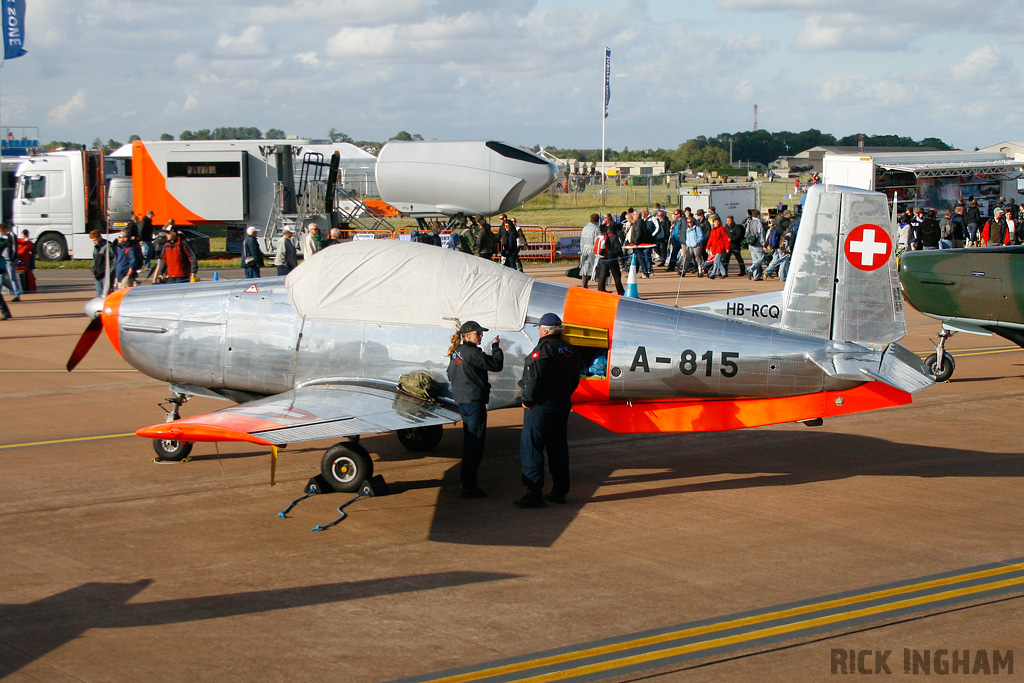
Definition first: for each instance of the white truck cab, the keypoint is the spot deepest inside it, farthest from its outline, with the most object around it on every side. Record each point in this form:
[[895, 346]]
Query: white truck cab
[[59, 197]]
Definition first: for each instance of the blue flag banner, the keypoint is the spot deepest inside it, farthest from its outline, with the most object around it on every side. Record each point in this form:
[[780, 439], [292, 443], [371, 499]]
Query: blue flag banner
[[14, 28], [607, 79]]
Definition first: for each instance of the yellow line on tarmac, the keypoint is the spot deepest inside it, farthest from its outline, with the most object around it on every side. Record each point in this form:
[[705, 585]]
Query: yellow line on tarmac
[[767, 632], [650, 641], [54, 441], [980, 351], [961, 354], [63, 372]]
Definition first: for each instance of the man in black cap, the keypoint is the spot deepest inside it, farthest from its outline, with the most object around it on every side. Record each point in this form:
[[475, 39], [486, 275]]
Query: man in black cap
[[468, 366], [550, 375]]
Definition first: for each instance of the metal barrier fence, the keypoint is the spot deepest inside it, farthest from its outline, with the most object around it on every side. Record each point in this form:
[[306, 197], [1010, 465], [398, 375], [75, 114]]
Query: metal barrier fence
[[544, 243], [586, 191]]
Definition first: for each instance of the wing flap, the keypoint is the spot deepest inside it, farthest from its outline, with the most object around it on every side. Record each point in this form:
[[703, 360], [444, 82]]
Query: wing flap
[[320, 411]]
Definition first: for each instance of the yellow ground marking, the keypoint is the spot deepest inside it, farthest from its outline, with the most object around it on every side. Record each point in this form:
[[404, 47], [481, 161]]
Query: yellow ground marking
[[55, 441], [62, 371], [745, 621]]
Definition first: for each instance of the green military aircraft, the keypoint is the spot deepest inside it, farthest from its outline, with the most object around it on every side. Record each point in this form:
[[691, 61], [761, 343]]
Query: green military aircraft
[[980, 291]]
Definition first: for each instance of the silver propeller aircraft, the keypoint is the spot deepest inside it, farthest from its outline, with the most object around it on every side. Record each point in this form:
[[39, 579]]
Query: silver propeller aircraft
[[318, 354]]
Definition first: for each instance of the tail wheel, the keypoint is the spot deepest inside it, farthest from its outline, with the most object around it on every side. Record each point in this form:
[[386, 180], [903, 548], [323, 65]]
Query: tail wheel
[[345, 466], [945, 370], [421, 439], [167, 449]]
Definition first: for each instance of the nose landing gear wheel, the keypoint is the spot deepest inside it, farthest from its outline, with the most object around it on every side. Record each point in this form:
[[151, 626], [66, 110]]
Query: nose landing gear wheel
[[345, 466], [175, 451], [945, 370]]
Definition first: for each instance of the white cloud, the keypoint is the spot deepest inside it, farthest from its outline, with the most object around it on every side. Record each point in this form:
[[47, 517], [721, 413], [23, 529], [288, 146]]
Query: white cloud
[[249, 44], [986, 64], [187, 61], [343, 12], [307, 58], [64, 113], [848, 31]]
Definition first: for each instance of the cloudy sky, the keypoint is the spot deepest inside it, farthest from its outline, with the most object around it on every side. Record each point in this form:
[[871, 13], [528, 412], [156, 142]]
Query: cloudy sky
[[523, 71]]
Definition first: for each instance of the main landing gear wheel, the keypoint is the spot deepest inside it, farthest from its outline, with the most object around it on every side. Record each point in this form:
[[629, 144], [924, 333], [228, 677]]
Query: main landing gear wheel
[[421, 439], [943, 372], [345, 466], [175, 451]]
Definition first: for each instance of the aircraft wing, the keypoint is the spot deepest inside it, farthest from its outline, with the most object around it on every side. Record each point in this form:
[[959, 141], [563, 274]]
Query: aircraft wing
[[324, 410]]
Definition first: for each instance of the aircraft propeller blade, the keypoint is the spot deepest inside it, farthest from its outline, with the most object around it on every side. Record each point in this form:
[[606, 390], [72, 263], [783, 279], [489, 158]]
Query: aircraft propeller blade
[[85, 342]]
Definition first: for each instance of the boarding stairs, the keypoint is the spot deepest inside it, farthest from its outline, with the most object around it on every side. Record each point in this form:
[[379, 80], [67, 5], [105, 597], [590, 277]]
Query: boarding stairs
[[348, 211]]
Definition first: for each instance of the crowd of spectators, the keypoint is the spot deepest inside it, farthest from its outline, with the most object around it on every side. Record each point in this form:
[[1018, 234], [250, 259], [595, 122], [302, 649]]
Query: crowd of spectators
[[960, 227], [694, 242], [476, 236]]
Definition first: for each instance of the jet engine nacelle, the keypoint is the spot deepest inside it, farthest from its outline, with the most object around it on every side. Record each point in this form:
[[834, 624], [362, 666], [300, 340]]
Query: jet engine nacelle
[[423, 179]]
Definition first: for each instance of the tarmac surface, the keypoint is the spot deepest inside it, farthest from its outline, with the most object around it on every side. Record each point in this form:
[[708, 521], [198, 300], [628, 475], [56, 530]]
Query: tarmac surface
[[906, 523]]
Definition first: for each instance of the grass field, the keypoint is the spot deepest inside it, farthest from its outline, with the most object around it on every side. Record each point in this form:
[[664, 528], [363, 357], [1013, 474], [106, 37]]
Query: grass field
[[574, 209]]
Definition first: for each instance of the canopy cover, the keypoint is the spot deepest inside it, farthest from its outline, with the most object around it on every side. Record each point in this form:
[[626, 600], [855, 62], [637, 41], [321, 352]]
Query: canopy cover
[[406, 283]]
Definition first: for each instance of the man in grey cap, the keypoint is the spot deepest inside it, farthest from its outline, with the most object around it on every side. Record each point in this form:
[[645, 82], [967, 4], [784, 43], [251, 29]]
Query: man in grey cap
[[468, 366], [252, 255], [286, 257], [551, 373]]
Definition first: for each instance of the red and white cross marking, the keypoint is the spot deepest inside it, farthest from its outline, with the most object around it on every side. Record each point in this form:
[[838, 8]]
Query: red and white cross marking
[[868, 247]]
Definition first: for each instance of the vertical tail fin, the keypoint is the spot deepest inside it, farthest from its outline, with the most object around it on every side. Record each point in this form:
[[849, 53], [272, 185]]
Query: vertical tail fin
[[843, 283]]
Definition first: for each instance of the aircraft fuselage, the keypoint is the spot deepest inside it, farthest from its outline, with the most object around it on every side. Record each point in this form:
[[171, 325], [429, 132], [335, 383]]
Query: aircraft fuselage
[[228, 338]]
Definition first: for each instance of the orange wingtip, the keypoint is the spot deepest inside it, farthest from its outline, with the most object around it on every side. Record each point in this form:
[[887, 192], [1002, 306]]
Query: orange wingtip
[[193, 432], [725, 414]]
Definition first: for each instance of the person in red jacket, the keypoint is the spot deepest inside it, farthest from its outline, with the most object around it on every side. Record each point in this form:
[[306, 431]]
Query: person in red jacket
[[27, 260], [177, 260], [996, 232], [718, 246]]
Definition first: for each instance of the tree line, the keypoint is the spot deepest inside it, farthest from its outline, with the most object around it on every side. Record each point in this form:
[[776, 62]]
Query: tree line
[[700, 153], [760, 146]]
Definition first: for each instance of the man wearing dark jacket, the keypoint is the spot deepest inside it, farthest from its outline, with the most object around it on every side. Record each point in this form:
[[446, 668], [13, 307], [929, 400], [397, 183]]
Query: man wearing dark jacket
[[252, 254], [736, 232], [928, 232], [146, 238], [609, 253], [468, 366], [102, 264], [127, 261], [550, 376]]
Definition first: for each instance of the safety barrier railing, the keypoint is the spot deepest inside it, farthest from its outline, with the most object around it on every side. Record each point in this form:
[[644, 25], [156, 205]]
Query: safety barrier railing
[[544, 243]]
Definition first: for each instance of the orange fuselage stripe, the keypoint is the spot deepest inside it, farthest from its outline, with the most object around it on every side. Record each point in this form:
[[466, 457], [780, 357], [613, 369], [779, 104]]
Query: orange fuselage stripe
[[714, 415], [592, 309]]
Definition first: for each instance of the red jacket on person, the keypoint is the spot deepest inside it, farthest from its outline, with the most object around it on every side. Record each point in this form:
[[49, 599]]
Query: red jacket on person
[[718, 240]]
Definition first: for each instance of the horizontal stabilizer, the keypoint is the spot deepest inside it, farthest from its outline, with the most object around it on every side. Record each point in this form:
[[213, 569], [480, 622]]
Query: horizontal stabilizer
[[903, 369], [894, 365]]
